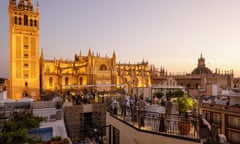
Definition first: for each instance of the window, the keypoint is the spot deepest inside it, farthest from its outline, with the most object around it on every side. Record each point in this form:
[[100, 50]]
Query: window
[[80, 80], [26, 84], [25, 75], [20, 21], [15, 20], [66, 80], [50, 81], [25, 20], [31, 22], [25, 65], [35, 23], [216, 118], [25, 46], [25, 94], [26, 55], [103, 67]]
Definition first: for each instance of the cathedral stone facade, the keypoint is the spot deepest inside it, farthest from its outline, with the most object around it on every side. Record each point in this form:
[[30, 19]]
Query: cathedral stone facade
[[24, 49], [82, 71], [92, 71]]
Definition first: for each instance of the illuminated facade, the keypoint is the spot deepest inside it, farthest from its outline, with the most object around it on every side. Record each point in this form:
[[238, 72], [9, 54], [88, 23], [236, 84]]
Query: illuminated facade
[[60, 75], [134, 75], [57, 75], [24, 49], [30, 73]]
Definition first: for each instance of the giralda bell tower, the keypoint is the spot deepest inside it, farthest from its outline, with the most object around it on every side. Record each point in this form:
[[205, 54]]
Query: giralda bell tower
[[24, 49]]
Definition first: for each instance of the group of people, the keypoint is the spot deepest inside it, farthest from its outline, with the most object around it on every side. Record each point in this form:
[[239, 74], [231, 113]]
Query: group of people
[[132, 105], [80, 98]]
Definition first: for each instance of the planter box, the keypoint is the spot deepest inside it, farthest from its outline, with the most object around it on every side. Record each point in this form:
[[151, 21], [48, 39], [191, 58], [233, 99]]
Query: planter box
[[184, 127]]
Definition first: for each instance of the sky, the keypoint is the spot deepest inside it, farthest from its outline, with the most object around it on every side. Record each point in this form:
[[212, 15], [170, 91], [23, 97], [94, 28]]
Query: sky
[[167, 33]]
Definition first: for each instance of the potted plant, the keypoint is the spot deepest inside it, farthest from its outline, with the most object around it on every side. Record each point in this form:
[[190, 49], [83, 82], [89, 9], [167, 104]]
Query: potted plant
[[185, 105]]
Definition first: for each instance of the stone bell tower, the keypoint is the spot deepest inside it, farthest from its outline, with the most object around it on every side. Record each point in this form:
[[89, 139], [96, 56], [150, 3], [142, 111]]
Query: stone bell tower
[[24, 49]]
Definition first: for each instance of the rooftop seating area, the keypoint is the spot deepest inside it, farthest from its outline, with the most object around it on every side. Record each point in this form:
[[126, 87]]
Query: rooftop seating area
[[161, 123]]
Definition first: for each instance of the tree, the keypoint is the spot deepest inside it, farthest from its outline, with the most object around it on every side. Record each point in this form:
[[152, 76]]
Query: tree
[[178, 93], [175, 94], [159, 94], [170, 94], [15, 130]]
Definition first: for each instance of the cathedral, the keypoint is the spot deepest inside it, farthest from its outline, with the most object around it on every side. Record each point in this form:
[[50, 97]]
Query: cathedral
[[91, 71], [199, 79], [31, 73]]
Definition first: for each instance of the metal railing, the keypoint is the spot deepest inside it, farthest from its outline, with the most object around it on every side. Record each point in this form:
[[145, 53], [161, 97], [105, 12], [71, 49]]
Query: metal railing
[[172, 125]]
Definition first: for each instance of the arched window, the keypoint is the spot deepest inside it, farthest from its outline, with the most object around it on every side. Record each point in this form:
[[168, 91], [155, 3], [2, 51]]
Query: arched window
[[26, 84], [15, 20], [25, 20], [80, 80], [103, 67], [25, 94], [20, 21], [35, 23], [66, 80], [50, 81], [31, 22]]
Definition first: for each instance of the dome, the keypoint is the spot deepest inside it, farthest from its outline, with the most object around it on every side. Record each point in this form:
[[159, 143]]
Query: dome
[[201, 70]]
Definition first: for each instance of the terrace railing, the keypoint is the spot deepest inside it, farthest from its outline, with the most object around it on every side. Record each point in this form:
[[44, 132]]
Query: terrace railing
[[172, 125]]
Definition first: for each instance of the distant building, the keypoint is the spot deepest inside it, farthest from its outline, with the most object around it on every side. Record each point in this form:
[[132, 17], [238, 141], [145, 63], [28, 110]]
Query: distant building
[[222, 112], [4, 83], [236, 82], [199, 78]]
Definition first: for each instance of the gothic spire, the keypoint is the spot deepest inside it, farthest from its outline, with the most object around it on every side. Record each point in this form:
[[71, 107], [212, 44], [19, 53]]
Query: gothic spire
[[37, 8]]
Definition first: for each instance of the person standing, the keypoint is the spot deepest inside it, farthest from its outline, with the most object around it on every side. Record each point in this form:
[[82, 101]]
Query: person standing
[[141, 112], [123, 106]]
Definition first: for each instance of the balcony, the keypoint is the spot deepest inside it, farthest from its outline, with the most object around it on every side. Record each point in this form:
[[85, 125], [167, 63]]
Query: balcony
[[164, 125], [223, 108]]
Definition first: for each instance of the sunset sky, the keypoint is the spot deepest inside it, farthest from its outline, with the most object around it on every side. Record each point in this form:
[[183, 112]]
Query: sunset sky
[[169, 33]]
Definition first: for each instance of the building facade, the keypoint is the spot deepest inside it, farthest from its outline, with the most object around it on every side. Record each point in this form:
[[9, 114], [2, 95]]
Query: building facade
[[199, 78], [24, 49], [59, 75], [31, 73], [223, 115], [94, 70]]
